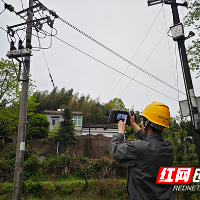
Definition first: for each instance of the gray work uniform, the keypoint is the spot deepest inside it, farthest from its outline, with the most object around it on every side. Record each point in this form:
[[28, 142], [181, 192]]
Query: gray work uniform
[[144, 157]]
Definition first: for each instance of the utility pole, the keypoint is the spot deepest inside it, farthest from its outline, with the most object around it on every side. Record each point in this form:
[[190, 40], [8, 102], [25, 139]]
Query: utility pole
[[19, 163], [195, 116], [187, 78]]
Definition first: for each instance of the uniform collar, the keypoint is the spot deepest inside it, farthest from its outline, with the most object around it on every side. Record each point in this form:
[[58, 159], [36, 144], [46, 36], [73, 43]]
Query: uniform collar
[[155, 135]]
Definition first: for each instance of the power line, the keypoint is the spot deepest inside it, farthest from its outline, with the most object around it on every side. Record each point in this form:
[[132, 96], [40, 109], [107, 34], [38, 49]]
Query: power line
[[147, 60], [113, 68], [136, 51], [3, 29], [22, 5], [168, 43], [145, 63], [46, 62], [176, 71], [129, 62], [114, 53], [2, 11]]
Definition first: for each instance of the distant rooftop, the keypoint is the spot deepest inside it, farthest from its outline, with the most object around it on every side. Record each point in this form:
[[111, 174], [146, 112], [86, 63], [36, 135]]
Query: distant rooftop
[[104, 126], [59, 112]]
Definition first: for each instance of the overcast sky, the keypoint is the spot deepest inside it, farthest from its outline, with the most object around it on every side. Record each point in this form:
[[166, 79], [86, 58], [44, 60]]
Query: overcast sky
[[128, 27]]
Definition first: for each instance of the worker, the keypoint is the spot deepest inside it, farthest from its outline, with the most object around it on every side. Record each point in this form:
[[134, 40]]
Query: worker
[[144, 157]]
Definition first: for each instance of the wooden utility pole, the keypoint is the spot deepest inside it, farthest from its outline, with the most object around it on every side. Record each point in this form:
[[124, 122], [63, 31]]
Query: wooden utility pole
[[19, 163]]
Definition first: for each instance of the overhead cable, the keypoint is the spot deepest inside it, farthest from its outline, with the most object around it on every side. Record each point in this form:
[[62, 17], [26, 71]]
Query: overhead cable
[[2, 11], [114, 69], [46, 62], [136, 51], [169, 44], [126, 60], [113, 52]]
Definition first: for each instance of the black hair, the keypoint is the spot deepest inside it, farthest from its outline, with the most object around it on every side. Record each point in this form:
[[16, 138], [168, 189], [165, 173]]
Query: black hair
[[155, 130]]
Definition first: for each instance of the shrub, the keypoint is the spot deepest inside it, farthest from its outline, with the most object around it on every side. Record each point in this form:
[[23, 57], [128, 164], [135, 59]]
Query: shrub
[[38, 127], [31, 167]]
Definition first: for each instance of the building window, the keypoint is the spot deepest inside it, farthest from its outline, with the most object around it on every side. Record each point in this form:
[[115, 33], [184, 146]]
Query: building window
[[55, 121], [77, 120]]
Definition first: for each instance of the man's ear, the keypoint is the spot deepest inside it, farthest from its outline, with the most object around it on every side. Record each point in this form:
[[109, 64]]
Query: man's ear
[[146, 123]]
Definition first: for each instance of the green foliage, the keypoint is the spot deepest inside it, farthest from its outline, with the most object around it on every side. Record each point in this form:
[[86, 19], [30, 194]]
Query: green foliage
[[192, 19], [130, 133], [9, 85], [177, 134], [9, 116], [31, 166], [54, 131], [117, 103], [38, 127], [53, 100], [66, 132], [97, 111]]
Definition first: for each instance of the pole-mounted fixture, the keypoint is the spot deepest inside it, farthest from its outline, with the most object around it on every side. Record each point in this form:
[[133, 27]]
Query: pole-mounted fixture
[[12, 46], [50, 22], [177, 32], [154, 2], [28, 44], [53, 13], [191, 34], [21, 52], [11, 32], [20, 46], [9, 7]]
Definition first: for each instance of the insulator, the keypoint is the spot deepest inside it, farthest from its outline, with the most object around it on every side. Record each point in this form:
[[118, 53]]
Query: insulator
[[20, 46], [12, 46], [28, 43], [9, 7]]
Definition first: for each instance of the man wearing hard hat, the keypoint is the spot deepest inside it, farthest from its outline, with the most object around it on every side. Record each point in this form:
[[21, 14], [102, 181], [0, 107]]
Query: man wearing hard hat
[[144, 157]]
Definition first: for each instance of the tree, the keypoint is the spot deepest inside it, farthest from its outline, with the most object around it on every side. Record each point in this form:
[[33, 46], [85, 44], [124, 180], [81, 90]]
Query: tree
[[193, 19], [66, 131], [9, 116], [9, 85], [177, 133], [53, 100], [38, 127], [117, 103]]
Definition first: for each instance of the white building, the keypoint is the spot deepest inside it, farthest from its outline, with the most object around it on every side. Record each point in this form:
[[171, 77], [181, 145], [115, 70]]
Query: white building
[[55, 117]]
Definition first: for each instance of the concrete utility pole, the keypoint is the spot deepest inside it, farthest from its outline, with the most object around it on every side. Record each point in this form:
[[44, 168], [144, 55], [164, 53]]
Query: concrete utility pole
[[19, 163], [187, 78]]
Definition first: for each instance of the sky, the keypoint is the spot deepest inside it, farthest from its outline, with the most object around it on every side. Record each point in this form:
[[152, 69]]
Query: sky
[[130, 28]]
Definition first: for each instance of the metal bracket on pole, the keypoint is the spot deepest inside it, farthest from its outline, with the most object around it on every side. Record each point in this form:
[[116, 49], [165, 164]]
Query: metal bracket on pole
[[32, 21], [29, 9], [154, 2], [19, 53], [177, 4]]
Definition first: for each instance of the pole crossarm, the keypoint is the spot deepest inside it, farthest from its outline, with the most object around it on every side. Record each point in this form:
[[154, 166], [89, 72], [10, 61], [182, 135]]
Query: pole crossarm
[[29, 9], [174, 3], [32, 21], [154, 2]]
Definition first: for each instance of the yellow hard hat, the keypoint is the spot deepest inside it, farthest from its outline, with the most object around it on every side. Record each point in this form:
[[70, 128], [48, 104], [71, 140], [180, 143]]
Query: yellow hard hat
[[157, 113]]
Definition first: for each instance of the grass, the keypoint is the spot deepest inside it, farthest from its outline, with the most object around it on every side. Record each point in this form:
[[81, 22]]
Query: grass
[[69, 189], [105, 189]]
